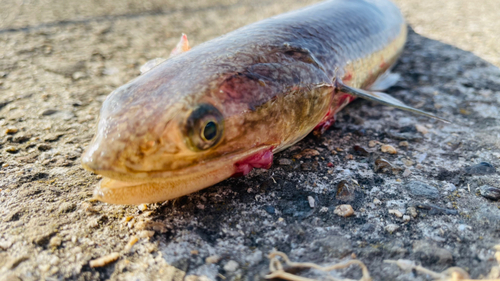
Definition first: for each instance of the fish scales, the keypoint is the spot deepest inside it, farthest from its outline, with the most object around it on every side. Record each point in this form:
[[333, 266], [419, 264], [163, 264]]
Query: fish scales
[[270, 82]]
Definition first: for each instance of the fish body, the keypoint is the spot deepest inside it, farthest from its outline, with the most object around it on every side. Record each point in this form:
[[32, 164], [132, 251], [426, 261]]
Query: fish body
[[225, 106]]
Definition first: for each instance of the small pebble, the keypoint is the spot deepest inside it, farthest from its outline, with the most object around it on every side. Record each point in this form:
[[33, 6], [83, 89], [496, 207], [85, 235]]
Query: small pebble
[[231, 266], [407, 162], [148, 213], [345, 191], [344, 210], [12, 149], [285, 162], [143, 207], [372, 143], [483, 168], [55, 241], [323, 210], [67, 207], [397, 213], [412, 211], [387, 148], [87, 207], [127, 219], [312, 202], [195, 252], [391, 228], [490, 192], [93, 223], [140, 225], [450, 187], [131, 243], [463, 227], [368, 228], [78, 75], [49, 112], [421, 157], [376, 201], [420, 189], [43, 268], [212, 259], [306, 153], [306, 166], [360, 150], [52, 137], [44, 147], [11, 130], [406, 218], [406, 173], [146, 233], [404, 144], [422, 129], [270, 209], [432, 209], [103, 261], [381, 165]]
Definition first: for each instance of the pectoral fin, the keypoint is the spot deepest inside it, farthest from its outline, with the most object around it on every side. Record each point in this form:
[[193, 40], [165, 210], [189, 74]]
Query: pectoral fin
[[385, 99], [385, 81]]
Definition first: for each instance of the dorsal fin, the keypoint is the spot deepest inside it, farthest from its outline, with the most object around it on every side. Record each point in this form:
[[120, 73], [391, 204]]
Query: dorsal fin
[[151, 64], [383, 98], [182, 46]]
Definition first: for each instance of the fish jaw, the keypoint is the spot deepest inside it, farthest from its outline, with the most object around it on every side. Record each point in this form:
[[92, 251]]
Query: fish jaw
[[155, 189], [135, 193]]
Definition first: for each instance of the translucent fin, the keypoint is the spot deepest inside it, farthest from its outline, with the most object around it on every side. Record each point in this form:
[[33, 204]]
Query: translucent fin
[[385, 81], [151, 64], [182, 46], [385, 99]]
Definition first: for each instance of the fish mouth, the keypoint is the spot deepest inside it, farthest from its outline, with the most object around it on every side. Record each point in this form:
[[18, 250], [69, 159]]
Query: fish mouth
[[150, 187]]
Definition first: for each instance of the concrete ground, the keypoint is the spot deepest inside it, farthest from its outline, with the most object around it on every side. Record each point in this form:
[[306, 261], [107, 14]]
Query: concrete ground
[[59, 60]]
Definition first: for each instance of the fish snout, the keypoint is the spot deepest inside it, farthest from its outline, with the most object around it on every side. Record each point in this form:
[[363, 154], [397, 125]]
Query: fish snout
[[121, 153], [101, 157]]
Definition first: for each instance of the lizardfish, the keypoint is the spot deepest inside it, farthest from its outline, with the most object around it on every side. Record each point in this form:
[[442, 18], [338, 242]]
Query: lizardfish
[[226, 106]]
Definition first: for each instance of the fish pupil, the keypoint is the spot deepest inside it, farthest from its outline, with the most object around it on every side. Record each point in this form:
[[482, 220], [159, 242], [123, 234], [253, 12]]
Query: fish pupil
[[210, 131]]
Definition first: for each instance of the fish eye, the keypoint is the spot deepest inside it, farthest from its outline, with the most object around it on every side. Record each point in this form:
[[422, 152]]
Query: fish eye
[[209, 131], [204, 127]]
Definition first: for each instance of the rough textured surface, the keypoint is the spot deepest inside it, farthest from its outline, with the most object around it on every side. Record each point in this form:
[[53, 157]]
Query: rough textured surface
[[55, 74]]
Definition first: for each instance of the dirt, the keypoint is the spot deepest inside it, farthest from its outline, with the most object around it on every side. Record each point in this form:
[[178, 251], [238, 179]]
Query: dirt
[[59, 60]]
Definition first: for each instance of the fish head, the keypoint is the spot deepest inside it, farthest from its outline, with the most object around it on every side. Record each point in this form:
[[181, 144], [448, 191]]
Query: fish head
[[160, 137]]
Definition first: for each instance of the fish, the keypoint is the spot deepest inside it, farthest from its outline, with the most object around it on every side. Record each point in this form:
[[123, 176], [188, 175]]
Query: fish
[[226, 106]]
